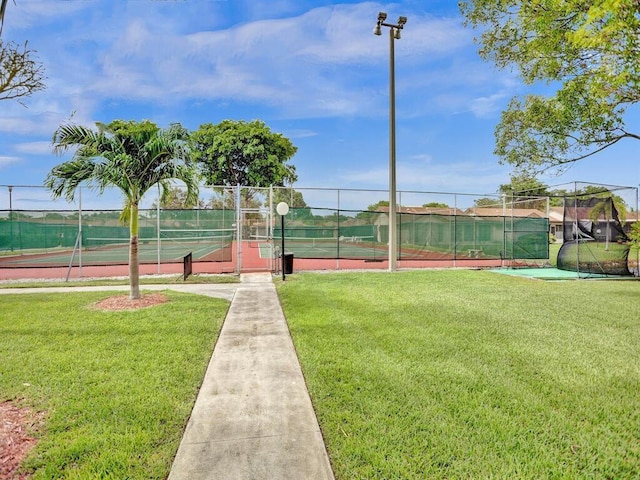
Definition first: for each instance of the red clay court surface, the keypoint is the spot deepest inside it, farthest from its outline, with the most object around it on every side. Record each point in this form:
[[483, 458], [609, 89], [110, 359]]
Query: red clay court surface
[[251, 262]]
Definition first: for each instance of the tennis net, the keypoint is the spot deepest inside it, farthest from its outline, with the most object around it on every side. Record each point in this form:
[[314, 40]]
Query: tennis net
[[355, 247], [217, 241]]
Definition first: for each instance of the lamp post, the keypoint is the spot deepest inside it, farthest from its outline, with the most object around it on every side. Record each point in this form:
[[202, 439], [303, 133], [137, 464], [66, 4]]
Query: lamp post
[[11, 217], [282, 208], [394, 34]]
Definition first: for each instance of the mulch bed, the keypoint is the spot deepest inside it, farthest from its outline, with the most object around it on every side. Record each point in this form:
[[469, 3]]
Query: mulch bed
[[17, 426]]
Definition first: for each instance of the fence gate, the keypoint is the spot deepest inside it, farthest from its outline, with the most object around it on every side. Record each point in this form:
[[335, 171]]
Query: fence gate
[[254, 248]]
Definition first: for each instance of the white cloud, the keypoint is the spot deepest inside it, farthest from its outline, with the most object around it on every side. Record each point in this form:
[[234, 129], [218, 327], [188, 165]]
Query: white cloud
[[428, 177], [24, 14], [299, 133], [7, 160], [276, 60], [293, 64], [34, 148], [41, 124], [483, 107]]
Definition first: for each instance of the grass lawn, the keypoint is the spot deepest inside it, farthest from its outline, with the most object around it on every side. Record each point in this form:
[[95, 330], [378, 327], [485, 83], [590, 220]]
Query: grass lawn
[[470, 374], [144, 280], [116, 387]]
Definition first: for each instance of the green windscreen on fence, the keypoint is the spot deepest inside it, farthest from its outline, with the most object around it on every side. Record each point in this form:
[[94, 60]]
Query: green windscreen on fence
[[365, 235], [54, 238], [99, 238]]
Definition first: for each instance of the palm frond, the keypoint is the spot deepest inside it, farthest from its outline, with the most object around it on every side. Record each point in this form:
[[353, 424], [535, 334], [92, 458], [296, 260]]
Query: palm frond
[[3, 8], [125, 214], [64, 179], [69, 135]]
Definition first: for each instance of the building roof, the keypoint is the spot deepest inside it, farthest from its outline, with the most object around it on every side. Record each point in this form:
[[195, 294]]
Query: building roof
[[423, 210], [474, 211], [502, 212]]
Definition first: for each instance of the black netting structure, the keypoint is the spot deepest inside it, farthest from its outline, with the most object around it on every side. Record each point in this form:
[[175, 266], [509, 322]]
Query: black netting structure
[[595, 241]]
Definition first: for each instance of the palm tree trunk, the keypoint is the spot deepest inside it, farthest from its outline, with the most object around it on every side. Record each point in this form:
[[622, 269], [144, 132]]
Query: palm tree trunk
[[134, 264]]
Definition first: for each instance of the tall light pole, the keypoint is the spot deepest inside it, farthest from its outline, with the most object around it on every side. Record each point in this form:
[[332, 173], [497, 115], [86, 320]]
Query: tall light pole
[[11, 216], [394, 34]]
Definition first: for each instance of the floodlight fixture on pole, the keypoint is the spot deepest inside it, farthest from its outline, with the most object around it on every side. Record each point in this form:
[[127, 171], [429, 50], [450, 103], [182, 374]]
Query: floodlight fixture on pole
[[282, 208], [394, 34]]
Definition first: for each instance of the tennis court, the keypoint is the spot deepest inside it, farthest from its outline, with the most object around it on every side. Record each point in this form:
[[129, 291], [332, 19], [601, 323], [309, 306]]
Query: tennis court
[[325, 236], [353, 247], [115, 251]]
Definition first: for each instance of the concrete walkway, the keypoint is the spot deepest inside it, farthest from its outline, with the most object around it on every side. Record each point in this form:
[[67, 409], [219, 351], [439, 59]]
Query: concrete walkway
[[253, 417]]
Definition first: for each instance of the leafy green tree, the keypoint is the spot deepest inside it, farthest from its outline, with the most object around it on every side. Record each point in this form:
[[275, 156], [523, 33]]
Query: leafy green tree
[[487, 202], [376, 206], [588, 49], [176, 198], [299, 210], [292, 197], [243, 153], [435, 205], [525, 191], [524, 185], [604, 208], [132, 156], [20, 75], [372, 211], [634, 235], [223, 199]]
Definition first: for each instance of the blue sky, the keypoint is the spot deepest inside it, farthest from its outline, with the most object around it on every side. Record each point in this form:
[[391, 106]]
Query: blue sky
[[312, 70]]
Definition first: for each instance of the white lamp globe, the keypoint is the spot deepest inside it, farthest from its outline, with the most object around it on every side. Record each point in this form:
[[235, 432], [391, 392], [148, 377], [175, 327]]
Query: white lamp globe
[[282, 208]]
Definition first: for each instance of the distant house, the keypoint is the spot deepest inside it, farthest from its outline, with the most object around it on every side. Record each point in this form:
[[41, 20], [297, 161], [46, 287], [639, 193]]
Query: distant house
[[504, 212], [556, 218]]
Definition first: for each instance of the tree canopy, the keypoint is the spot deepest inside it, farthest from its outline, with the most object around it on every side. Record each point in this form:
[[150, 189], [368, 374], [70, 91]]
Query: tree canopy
[[375, 207], [245, 153], [20, 75], [487, 202], [132, 156], [589, 50], [177, 198], [523, 185], [292, 197], [435, 205]]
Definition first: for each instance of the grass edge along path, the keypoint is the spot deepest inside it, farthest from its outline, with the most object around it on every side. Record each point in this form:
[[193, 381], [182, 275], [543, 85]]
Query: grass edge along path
[[116, 388], [470, 374], [112, 281]]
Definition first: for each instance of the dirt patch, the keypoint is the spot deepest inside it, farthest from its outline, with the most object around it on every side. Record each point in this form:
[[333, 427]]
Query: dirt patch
[[17, 426], [123, 302]]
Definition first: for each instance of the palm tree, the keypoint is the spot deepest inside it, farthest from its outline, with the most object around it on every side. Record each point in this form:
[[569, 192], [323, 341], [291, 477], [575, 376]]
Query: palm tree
[[129, 155], [612, 209]]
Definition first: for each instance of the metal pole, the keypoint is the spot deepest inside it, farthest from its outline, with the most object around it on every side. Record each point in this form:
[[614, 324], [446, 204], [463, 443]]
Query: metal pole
[[80, 231], [282, 251], [11, 217], [238, 214], [392, 154], [270, 227], [159, 240], [338, 239]]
